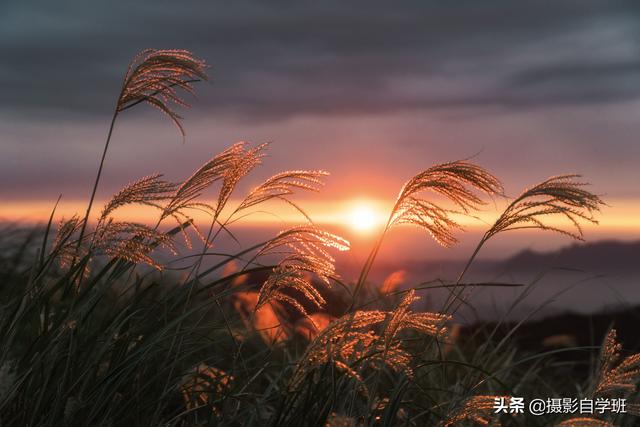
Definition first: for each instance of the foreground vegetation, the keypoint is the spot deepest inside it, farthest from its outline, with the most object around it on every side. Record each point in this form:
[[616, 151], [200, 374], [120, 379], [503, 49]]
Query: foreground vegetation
[[95, 330]]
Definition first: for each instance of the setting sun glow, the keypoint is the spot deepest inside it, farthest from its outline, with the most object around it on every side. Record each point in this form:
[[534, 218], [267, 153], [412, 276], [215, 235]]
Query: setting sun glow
[[363, 218]]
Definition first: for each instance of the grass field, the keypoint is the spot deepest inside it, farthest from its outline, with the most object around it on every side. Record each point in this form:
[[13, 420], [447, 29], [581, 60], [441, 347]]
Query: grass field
[[94, 330]]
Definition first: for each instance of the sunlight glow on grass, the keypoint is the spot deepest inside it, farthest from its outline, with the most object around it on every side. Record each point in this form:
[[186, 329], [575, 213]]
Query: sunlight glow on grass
[[620, 220]]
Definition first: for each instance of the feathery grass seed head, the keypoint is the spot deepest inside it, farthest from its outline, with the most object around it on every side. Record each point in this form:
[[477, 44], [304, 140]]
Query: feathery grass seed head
[[616, 375], [154, 77], [150, 191], [561, 196], [479, 409], [455, 181]]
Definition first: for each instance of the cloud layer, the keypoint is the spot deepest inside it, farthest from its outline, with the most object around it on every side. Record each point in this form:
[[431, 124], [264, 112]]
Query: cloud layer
[[538, 86], [287, 58]]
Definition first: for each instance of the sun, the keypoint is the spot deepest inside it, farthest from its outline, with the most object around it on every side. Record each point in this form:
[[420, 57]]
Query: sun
[[363, 218]]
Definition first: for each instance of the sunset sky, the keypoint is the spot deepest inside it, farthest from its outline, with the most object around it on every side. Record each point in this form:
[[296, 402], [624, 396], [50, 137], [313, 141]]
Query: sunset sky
[[369, 91]]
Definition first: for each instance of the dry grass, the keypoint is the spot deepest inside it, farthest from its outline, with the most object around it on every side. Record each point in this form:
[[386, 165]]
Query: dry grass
[[149, 191], [455, 181], [585, 422], [476, 409], [155, 76], [125, 348], [562, 196], [616, 375]]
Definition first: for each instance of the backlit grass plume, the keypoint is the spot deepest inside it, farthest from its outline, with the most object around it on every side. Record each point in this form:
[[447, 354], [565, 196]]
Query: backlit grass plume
[[560, 196], [458, 182], [305, 239], [352, 343], [227, 345], [402, 318], [156, 76], [149, 191], [477, 409], [247, 159], [389, 346], [293, 273], [130, 241], [63, 247], [584, 422], [187, 193], [282, 185], [305, 250], [226, 167], [342, 343], [616, 375], [203, 386]]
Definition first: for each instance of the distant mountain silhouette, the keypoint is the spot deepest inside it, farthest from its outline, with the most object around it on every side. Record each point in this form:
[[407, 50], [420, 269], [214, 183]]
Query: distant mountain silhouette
[[600, 257], [603, 257]]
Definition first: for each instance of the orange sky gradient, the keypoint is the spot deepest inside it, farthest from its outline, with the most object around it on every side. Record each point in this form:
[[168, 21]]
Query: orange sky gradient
[[371, 94], [620, 216], [618, 221]]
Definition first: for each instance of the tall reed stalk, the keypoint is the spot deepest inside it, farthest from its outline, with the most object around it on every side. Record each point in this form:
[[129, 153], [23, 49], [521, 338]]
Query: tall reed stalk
[[267, 341], [152, 77]]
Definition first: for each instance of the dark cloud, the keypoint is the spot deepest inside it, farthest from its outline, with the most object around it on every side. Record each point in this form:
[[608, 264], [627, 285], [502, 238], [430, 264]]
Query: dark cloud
[[326, 80], [585, 72], [278, 59]]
